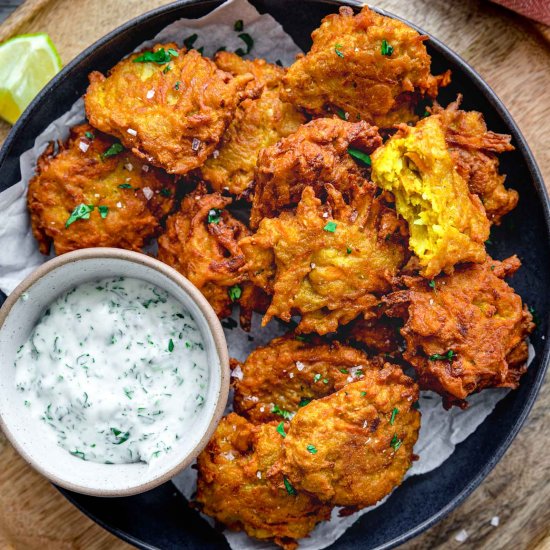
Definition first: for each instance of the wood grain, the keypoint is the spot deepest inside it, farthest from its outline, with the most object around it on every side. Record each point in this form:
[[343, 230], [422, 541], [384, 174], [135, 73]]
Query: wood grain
[[513, 55]]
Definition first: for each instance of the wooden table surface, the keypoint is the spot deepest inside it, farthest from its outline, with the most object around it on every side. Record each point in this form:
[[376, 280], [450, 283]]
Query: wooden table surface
[[513, 55]]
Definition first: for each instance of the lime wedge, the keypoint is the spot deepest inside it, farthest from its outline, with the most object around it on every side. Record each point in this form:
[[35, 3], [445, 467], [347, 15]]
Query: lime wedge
[[27, 63]]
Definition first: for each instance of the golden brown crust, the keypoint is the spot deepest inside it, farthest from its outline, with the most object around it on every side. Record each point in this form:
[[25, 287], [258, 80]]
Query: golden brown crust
[[258, 123], [137, 197], [289, 372], [239, 487], [346, 70], [354, 447], [474, 151], [466, 332], [316, 155], [206, 252], [378, 333], [326, 262], [178, 115]]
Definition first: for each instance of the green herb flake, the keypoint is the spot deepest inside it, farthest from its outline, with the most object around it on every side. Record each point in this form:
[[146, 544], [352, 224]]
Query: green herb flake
[[289, 488], [129, 393], [238, 26], [173, 52], [311, 449], [317, 377], [165, 192], [81, 212], [330, 227], [344, 371], [341, 113], [325, 381], [103, 211], [488, 242], [363, 393], [395, 442], [393, 415], [360, 156], [281, 429], [171, 345], [281, 412], [449, 356], [304, 401], [214, 216], [431, 284], [249, 41], [89, 135], [125, 186], [279, 63], [114, 150], [166, 69], [386, 48], [348, 250], [337, 49], [177, 85], [121, 437], [235, 292], [190, 40], [160, 57]]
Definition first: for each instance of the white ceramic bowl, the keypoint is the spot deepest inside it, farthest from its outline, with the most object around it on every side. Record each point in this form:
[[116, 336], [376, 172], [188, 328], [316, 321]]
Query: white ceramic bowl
[[35, 443]]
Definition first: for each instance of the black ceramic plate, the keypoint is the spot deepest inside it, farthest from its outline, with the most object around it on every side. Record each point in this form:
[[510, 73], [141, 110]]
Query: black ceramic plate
[[161, 519]]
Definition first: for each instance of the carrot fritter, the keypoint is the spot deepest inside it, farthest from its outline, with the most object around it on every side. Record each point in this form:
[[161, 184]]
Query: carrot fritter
[[92, 193], [466, 331], [327, 262], [239, 487], [169, 106], [316, 155], [368, 66], [258, 123], [474, 152], [286, 374], [352, 448], [201, 242], [447, 223]]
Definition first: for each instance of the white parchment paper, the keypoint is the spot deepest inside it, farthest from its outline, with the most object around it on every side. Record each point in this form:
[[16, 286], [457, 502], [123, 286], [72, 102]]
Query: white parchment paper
[[441, 430]]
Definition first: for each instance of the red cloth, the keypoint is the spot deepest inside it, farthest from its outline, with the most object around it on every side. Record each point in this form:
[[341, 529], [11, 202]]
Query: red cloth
[[539, 10]]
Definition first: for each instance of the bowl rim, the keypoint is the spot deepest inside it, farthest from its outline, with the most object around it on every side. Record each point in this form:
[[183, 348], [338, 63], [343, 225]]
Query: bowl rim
[[220, 350], [523, 148]]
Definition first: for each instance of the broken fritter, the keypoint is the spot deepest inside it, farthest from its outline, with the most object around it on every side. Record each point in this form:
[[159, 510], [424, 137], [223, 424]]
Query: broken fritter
[[258, 123], [278, 379], [466, 331], [168, 105], [326, 262], [239, 486], [352, 448], [474, 152], [201, 242], [447, 223], [316, 155], [365, 66], [92, 192]]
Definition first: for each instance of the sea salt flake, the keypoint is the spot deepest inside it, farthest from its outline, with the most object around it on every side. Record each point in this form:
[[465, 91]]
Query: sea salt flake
[[312, 265], [229, 455], [145, 168], [291, 375], [148, 192], [495, 520], [299, 365], [150, 94], [237, 372], [325, 214], [129, 166], [83, 146], [216, 154], [132, 132], [119, 204], [259, 474], [365, 423], [195, 145], [461, 536]]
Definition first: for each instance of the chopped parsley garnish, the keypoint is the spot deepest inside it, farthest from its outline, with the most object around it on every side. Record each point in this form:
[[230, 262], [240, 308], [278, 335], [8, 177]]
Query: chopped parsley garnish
[[171, 345], [348, 250], [289, 488], [249, 41], [177, 85], [114, 150], [160, 57], [360, 156], [338, 51], [386, 49], [449, 356], [363, 393], [341, 113], [488, 241], [235, 292], [125, 186], [431, 284], [281, 412], [121, 437], [304, 401], [190, 40], [325, 381], [214, 216], [317, 377], [281, 429], [279, 62], [165, 192], [344, 371], [166, 69], [103, 211], [238, 26], [201, 50], [89, 135], [393, 415], [395, 442], [330, 227], [532, 311], [81, 212], [311, 449]]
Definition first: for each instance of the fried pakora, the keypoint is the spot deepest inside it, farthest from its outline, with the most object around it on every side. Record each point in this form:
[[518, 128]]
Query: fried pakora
[[447, 224], [326, 262], [316, 155], [474, 152], [170, 106], [201, 242], [279, 378], [92, 192], [377, 333], [466, 331], [258, 123], [354, 447], [368, 66], [239, 487]]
